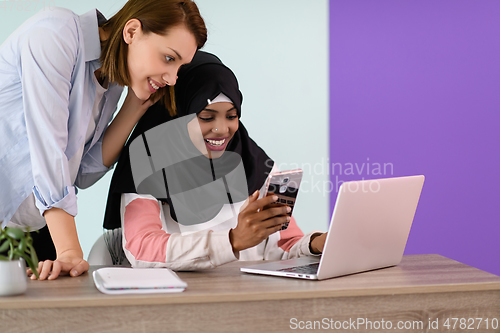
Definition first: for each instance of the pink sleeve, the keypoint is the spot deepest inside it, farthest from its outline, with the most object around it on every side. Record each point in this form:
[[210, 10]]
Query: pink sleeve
[[145, 238], [290, 236]]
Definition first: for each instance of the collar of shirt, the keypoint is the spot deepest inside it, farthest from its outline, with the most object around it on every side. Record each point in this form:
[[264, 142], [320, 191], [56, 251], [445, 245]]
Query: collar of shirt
[[90, 26]]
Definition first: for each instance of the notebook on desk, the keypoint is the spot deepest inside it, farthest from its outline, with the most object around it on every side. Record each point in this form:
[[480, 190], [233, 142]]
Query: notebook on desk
[[368, 230], [127, 280]]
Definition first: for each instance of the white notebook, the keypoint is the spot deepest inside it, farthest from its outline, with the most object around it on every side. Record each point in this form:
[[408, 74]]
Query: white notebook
[[125, 280]]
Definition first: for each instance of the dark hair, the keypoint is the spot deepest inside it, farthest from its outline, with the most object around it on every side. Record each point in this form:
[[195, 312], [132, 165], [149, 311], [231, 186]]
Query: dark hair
[[156, 16]]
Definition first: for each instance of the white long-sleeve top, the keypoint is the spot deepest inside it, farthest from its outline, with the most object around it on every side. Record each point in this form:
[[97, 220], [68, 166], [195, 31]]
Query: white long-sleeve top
[[151, 238]]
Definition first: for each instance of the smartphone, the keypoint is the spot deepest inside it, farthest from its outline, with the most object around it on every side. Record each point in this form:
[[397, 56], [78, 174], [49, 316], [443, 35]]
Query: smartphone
[[285, 185]]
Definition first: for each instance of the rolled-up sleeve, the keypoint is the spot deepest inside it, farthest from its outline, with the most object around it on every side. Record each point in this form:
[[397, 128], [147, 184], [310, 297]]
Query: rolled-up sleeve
[[48, 57]]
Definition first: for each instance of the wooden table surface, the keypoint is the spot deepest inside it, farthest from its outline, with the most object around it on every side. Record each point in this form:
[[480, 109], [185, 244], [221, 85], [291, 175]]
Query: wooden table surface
[[422, 287]]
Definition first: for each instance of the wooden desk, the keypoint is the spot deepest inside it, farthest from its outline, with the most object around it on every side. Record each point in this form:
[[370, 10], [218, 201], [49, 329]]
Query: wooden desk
[[422, 287]]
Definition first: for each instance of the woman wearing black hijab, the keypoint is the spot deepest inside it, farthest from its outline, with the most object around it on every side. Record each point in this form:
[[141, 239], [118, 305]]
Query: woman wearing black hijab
[[187, 190]]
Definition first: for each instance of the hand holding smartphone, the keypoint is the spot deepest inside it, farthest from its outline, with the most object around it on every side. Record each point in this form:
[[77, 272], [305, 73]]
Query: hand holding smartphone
[[285, 185]]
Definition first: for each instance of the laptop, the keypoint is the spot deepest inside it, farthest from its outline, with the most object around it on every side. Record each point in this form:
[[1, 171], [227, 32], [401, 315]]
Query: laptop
[[368, 230]]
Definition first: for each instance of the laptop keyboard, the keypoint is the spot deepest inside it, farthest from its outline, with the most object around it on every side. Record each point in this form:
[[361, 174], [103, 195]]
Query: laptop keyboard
[[306, 269]]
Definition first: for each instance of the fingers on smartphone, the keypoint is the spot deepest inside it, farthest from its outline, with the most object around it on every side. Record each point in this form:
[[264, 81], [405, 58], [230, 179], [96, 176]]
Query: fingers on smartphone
[[284, 186]]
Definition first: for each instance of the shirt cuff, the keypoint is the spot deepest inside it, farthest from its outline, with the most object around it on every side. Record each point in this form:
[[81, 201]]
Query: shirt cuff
[[67, 203], [222, 248]]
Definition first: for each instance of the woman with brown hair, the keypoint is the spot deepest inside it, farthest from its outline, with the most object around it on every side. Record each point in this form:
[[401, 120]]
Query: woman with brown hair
[[61, 76]]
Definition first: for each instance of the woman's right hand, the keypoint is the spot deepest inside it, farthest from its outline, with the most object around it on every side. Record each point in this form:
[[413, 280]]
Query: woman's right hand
[[134, 104], [255, 223], [141, 105], [69, 263]]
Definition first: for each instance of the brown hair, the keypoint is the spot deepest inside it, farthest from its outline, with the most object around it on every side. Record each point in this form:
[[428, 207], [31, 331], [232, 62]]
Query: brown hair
[[156, 16]]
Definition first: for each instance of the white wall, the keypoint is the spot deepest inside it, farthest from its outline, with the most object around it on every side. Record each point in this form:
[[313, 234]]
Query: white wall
[[278, 49]]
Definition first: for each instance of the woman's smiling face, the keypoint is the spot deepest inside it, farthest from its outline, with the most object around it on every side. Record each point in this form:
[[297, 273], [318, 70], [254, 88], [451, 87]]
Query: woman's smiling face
[[213, 128], [153, 60]]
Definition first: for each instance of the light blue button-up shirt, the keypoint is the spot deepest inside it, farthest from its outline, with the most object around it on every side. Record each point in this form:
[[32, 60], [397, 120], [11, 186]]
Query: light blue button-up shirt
[[46, 99]]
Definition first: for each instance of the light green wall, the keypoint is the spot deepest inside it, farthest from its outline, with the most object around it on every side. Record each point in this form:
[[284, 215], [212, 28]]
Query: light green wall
[[278, 49]]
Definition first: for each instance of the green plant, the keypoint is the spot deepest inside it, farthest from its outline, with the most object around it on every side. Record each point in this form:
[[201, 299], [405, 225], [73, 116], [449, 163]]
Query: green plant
[[16, 243]]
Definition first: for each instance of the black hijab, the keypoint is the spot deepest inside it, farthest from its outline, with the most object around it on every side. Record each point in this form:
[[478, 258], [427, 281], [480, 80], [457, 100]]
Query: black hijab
[[199, 81]]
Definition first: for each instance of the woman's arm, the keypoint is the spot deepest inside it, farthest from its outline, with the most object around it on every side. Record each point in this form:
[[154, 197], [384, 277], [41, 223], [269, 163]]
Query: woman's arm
[[290, 243], [97, 161], [317, 242], [47, 61], [120, 128], [48, 57], [147, 244], [69, 253]]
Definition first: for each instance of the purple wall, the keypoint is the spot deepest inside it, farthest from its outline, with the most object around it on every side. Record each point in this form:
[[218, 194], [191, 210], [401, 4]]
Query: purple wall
[[416, 85]]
